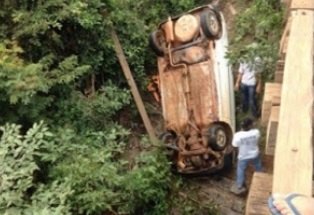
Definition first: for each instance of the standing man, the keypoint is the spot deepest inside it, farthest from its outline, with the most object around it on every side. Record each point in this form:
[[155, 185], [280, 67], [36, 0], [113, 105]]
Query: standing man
[[247, 141], [249, 83]]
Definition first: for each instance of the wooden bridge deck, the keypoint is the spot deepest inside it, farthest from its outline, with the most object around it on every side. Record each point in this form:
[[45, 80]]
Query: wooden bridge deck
[[260, 190], [293, 161]]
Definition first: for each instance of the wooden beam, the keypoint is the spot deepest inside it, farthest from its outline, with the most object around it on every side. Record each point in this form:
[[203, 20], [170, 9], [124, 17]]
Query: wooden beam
[[302, 4], [272, 91], [280, 65], [279, 71], [278, 76], [136, 95], [260, 191], [272, 130], [294, 150]]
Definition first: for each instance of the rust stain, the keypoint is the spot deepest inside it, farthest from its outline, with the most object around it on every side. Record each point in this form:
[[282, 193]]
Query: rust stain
[[188, 94]]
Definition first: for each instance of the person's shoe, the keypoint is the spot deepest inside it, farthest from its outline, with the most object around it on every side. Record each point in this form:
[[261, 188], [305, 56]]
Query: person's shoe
[[238, 190]]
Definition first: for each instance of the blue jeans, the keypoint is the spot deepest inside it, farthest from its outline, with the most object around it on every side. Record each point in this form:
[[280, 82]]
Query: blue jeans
[[249, 99], [242, 165]]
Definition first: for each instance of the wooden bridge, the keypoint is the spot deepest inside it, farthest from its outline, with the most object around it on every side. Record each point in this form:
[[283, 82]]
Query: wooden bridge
[[287, 113]]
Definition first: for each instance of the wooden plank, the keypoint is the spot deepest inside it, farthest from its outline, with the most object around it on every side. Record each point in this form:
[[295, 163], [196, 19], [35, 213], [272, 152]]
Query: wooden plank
[[260, 190], [275, 101], [272, 131], [302, 4], [279, 71], [280, 65], [136, 95], [272, 90], [278, 76], [294, 150]]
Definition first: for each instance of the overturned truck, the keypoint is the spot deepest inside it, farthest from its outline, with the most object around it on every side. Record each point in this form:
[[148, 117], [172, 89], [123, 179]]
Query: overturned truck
[[195, 88]]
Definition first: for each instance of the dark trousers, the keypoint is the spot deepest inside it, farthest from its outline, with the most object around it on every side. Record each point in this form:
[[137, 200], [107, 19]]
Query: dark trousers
[[249, 99]]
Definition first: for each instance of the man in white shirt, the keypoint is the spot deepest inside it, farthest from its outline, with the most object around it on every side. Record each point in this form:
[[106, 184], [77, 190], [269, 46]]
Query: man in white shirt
[[249, 84], [247, 141]]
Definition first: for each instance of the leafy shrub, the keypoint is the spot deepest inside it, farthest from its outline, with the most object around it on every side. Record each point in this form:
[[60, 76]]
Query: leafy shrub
[[148, 184], [19, 163], [91, 168], [257, 34], [96, 112], [69, 174], [50, 52]]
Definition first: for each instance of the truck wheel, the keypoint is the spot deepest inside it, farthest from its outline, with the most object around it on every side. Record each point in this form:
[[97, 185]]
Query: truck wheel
[[168, 137], [157, 43], [211, 24], [218, 137]]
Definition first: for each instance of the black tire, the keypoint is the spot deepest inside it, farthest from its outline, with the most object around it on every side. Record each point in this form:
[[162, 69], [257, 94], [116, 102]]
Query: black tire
[[156, 43], [167, 137], [211, 24], [218, 137]]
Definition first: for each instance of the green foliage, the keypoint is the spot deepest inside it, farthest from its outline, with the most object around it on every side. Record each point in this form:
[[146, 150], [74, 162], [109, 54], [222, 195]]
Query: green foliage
[[65, 173], [33, 79], [186, 205], [57, 64], [257, 34], [148, 184], [102, 182], [19, 165], [96, 112], [50, 49], [90, 166]]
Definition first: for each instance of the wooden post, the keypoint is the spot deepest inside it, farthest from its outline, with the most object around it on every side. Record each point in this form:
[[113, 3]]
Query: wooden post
[[271, 98], [293, 167], [136, 95]]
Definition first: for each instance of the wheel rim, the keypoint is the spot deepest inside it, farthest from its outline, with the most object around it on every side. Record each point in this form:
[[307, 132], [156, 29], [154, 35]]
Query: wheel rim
[[221, 138], [213, 24]]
